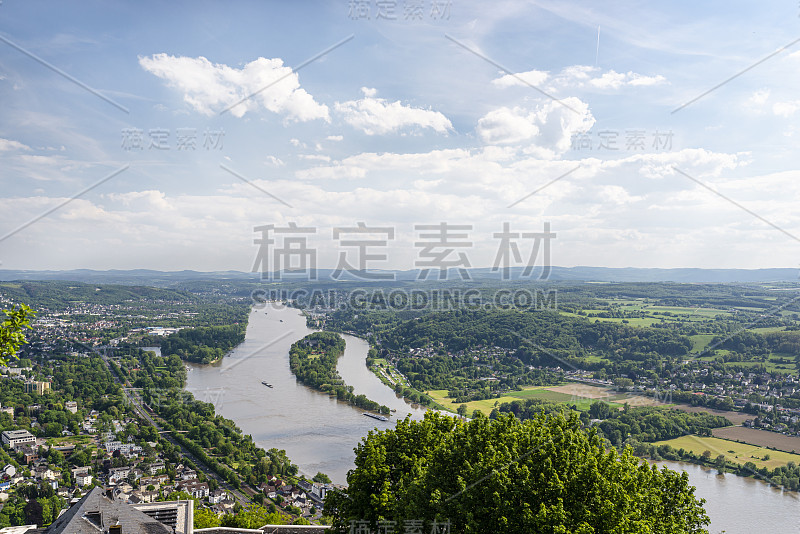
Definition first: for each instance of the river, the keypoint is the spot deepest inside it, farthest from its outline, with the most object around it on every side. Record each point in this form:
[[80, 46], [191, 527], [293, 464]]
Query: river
[[319, 433], [738, 504]]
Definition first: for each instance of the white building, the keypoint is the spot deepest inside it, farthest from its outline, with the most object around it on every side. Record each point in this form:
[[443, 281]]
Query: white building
[[71, 406], [12, 438]]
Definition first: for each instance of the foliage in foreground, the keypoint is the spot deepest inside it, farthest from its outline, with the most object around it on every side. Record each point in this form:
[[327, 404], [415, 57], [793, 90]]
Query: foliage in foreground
[[12, 331], [541, 475]]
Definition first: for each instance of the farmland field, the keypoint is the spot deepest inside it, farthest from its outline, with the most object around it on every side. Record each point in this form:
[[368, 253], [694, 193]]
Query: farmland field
[[739, 453], [552, 394], [580, 390], [763, 438]]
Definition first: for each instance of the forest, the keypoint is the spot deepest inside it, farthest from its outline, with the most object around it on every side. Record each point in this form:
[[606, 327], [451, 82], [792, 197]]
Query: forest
[[313, 361], [203, 344]]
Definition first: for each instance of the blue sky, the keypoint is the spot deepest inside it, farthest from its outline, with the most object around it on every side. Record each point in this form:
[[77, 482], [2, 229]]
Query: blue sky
[[408, 121]]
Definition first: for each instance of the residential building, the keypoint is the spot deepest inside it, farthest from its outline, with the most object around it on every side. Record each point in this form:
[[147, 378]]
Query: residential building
[[95, 513], [35, 386], [217, 496], [155, 467], [195, 488]]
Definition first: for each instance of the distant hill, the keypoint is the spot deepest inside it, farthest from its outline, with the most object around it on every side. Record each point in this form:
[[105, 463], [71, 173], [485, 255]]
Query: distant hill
[[575, 274], [56, 294]]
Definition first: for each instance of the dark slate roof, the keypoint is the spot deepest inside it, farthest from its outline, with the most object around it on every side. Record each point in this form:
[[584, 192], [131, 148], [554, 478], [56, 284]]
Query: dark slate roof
[[95, 513]]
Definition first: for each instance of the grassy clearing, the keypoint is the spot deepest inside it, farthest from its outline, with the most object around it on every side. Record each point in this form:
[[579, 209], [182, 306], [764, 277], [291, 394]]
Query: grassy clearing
[[69, 440], [486, 406], [768, 329], [739, 453], [531, 392], [700, 341]]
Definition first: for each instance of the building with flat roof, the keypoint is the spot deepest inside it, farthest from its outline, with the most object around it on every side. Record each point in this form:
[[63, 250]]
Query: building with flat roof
[[12, 438]]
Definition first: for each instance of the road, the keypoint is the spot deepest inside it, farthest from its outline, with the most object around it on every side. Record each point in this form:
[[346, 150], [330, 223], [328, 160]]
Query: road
[[133, 397]]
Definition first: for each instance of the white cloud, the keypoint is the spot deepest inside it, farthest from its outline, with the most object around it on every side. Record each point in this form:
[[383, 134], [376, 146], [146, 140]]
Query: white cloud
[[532, 77], [335, 137], [210, 88], [579, 76], [786, 109], [548, 128], [378, 116], [9, 144], [315, 157], [507, 126], [759, 98]]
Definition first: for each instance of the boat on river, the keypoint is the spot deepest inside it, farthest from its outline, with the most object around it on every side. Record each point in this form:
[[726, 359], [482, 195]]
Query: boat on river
[[376, 416], [265, 383]]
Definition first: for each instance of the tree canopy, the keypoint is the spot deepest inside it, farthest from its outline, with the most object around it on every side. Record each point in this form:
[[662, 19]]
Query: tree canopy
[[505, 475], [12, 331]]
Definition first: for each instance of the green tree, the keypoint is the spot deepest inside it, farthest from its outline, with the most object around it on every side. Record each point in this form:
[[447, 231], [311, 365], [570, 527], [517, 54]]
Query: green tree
[[600, 410], [322, 477], [205, 518], [546, 474], [253, 516], [462, 410], [12, 335]]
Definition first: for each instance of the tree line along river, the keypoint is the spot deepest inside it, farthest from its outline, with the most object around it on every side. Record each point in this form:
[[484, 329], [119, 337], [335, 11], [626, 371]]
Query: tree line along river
[[319, 433]]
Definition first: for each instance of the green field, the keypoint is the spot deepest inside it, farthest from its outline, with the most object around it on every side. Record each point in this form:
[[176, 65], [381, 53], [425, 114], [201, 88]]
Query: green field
[[652, 313], [700, 341], [741, 452], [530, 392]]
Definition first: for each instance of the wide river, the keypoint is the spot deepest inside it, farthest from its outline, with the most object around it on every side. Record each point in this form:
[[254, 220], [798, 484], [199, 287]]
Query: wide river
[[317, 431], [320, 433]]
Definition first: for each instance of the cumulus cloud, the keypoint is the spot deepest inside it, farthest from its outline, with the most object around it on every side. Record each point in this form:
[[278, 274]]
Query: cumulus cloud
[[579, 76], [376, 116], [547, 129], [532, 77], [9, 144], [212, 87], [636, 200]]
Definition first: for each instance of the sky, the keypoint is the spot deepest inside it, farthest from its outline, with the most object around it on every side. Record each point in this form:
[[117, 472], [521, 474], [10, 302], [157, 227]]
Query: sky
[[172, 135]]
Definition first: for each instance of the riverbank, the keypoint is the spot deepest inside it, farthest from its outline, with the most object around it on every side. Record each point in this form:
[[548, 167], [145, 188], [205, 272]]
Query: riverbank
[[779, 468], [313, 360], [317, 431], [401, 386], [737, 504]]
